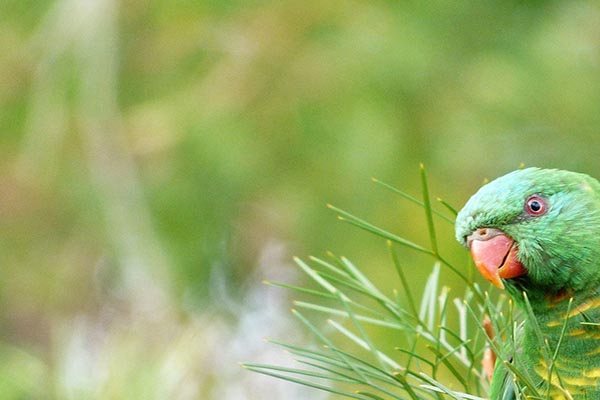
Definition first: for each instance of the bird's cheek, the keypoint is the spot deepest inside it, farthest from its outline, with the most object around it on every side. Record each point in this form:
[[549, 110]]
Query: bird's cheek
[[496, 259]]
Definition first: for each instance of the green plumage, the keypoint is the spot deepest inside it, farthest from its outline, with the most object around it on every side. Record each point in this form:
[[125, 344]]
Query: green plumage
[[560, 250]]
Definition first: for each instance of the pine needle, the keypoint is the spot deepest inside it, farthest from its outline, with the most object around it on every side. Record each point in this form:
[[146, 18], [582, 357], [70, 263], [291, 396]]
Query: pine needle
[[428, 212]]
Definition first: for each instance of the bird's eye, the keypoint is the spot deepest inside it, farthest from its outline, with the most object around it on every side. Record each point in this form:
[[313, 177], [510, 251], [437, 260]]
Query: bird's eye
[[535, 206]]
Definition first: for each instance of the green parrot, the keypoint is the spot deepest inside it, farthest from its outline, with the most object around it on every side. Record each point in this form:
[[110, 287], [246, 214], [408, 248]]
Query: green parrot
[[536, 233]]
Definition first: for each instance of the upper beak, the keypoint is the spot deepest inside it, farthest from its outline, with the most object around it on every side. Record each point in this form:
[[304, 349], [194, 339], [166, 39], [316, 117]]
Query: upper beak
[[495, 255]]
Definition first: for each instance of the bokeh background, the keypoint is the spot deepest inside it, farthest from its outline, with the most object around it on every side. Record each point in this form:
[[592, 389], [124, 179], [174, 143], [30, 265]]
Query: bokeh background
[[161, 158]]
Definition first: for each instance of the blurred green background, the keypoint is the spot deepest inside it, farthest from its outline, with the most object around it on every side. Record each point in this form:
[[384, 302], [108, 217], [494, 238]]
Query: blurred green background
[[160, 159]]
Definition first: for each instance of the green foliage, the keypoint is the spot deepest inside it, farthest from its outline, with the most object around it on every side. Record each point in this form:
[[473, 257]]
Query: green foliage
[[434, 348]]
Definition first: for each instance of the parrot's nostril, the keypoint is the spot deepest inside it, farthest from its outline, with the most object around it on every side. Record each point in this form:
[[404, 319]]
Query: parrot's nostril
[[483, 234]]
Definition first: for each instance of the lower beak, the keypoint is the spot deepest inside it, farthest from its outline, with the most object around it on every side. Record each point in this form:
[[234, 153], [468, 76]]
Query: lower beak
[[495, 255]]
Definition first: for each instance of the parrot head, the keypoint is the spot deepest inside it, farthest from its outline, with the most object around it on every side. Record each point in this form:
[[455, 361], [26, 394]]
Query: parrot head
[[535, 230]]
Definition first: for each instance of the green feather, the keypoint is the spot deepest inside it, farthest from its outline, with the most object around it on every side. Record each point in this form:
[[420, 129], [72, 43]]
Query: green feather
[[560, 249]]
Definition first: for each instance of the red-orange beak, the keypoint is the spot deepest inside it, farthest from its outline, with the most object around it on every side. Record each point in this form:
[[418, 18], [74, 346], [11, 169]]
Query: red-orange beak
[[495, 255]]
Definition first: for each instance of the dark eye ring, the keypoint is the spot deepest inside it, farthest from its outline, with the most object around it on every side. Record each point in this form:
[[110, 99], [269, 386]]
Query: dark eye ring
[[535, 206]]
